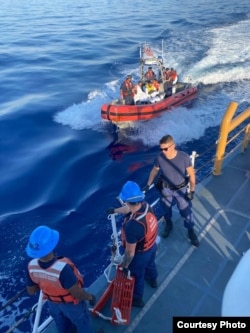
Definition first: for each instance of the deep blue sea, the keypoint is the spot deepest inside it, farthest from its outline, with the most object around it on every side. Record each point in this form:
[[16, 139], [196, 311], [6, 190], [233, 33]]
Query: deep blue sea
[[60, 164]]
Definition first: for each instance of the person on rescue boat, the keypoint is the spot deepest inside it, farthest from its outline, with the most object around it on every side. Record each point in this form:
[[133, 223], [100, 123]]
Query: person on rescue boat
[[168, 83], [162, 74], [174, 79], [127, 90], [152, 89], [60, 282], [150, 74], [168, 75], [139, 233], [140, 96]]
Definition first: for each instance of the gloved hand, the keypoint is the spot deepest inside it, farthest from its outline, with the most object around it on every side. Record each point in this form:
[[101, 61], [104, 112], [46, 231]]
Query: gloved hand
[[93, 300], [190, 195], [113, 248], [158, 184], [125, 271], [110, 210], [145, 188]]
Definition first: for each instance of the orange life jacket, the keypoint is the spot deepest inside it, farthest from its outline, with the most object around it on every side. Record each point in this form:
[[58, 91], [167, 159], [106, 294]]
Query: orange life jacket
[[129, 89], [150, 75], [150, 224], [173, 75], [156, 84], [48, 280]]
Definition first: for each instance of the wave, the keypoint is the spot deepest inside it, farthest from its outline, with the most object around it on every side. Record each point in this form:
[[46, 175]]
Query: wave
[[228, 56]]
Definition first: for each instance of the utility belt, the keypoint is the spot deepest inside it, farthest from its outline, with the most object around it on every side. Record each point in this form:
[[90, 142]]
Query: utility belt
[[174, 187], [62, 299]]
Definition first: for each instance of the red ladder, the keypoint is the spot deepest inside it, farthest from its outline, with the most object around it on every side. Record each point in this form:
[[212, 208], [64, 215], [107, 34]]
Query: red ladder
[[121, 290]]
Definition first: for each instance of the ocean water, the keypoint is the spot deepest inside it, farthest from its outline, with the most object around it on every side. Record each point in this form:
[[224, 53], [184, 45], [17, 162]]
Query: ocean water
[[60, 164]]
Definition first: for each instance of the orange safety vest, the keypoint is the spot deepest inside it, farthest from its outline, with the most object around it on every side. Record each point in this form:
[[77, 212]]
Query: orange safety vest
[[167, 75], [150, 224], [173, 75], [48, 280], [129, 89], [150, 75], [156, 84]]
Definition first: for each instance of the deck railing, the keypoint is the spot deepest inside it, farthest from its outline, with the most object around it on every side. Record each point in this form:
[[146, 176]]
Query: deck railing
[[228, 124]]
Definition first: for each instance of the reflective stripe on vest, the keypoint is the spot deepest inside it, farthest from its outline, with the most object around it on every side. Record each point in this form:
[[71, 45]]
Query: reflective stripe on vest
[[48, 280], [129, 87], [150, 224]]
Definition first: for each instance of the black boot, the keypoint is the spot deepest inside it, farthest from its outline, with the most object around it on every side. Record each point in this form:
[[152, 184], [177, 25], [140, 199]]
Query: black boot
[[167, 229], [192, 236], [152, 282], [138, 303]]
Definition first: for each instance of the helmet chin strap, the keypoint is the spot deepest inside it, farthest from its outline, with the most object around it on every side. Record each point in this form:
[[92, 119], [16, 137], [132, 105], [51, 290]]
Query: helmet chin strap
[[48, 257], [134, 206]]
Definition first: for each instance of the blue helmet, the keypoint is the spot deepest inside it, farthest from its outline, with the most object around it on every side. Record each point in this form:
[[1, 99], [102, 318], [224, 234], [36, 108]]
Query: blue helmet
[[42, 241], [131, 192]]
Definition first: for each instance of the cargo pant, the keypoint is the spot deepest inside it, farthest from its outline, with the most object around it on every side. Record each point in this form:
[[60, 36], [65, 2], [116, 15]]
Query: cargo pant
[[67, 314], [170, 198], [143, 268]]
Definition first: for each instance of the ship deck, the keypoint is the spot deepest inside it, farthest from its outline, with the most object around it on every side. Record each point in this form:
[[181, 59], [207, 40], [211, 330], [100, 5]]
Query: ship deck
[[192, 280]]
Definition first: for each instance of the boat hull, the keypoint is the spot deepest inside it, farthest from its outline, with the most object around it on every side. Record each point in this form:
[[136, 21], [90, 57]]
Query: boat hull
[[123, 113]]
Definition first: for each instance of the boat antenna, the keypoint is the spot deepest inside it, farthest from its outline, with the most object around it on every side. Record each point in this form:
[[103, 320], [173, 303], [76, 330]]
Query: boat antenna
[[162, 52]]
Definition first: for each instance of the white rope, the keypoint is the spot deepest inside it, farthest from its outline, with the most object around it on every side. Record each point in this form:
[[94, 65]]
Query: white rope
[[119, 316], [100, 315]]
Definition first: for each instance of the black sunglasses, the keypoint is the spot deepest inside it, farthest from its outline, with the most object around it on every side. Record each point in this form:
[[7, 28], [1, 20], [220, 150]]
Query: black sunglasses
[[166, 149]]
